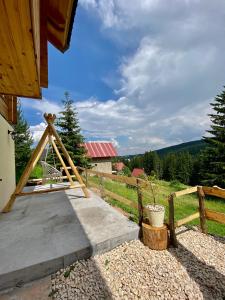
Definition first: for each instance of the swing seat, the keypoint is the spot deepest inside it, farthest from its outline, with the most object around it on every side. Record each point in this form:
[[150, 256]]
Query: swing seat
[[50, 173]]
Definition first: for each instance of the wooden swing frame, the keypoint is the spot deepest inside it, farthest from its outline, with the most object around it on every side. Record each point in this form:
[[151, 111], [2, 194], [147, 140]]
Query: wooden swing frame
[[47, 137]]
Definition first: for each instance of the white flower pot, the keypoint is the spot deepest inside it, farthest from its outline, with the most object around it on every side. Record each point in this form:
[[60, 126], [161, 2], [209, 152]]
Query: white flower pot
[[155, 215]]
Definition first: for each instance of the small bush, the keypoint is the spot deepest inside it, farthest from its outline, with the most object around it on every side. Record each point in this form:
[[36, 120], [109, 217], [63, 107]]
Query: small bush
[[176, 184]]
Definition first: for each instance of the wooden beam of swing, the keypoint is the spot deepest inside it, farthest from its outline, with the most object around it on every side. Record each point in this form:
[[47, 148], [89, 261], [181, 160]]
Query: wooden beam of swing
[[50, 190], [50, 118], [62, 162], [29, 167], [50, 130]]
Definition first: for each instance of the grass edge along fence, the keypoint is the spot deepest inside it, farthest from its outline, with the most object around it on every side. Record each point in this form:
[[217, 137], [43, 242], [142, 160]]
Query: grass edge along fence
[[132, 181], [203, 214]]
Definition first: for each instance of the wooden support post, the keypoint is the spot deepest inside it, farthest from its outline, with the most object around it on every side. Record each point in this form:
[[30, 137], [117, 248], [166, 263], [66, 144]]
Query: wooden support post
[[201, 199], [140, 203], [66, 154], [173, 239], [29, 167]]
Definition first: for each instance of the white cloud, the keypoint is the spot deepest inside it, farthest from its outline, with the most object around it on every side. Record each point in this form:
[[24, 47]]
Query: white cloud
[[37, 131], [173, 68], [43, 106]]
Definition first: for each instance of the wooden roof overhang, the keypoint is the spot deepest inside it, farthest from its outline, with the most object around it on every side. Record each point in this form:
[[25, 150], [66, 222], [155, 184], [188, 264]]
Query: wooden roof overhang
[[25, 28]]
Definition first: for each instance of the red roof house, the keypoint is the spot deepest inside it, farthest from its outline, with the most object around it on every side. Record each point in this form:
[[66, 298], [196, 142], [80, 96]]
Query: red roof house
[[118, 166], [137, 172], [100, 149], [101, 154]]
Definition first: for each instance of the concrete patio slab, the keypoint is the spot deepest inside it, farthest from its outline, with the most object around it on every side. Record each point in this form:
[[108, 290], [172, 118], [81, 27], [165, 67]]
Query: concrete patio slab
[[46, 232]]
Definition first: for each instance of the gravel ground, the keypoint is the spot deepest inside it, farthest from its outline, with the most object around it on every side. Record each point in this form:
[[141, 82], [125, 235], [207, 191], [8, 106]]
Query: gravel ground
[[195, 270]]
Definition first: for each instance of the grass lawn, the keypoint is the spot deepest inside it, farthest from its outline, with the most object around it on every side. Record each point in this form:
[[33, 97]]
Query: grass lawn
[[37, 172], [184, 206]]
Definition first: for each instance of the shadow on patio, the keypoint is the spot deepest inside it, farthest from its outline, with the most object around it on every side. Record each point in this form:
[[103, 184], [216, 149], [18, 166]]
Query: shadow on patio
[[47, 232]]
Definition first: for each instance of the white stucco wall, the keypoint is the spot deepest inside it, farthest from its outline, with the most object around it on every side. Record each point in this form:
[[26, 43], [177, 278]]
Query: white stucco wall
[[104, 165], [7, 163]]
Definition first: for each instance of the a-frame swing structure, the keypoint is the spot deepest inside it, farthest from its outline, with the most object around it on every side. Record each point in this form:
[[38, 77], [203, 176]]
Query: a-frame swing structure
[[46, 138]]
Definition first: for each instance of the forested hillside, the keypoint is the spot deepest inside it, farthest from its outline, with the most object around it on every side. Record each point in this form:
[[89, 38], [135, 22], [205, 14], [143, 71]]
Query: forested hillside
[[180, 162], [196, 162], [193, 148]]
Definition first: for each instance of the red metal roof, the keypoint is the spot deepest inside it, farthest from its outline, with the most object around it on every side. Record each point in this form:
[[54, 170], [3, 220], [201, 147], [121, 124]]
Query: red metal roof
[[100, 149], [137, 172]]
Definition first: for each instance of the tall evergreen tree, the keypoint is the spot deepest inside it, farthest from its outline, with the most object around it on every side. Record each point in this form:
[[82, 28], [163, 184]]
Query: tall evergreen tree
[[169, 166], [184, 167], [70, 132], [23, 142], [152, 164], [136, 162], [213, 157]]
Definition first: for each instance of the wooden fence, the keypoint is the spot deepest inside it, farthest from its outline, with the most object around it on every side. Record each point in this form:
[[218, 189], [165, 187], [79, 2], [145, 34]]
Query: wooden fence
[[137, 183], [203, 213]]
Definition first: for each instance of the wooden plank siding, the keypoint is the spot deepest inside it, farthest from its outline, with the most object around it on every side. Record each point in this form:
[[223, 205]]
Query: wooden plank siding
[[8, 108]]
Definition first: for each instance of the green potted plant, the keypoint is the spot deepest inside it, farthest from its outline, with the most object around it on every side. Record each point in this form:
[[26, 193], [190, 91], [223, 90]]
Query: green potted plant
[[155, 212]]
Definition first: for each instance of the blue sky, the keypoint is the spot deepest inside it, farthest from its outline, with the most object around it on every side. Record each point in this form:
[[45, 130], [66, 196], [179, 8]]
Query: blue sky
[[141, 75]]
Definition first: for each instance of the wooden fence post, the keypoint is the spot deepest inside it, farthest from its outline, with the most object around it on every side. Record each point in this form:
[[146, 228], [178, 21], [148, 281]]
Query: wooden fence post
[[201, 200], [140, 207], [101, 187], [86, 177], [173, 239]]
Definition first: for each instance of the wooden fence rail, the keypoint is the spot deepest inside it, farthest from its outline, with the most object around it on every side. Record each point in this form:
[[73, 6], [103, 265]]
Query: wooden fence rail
[[203, 214], [215, 216], [123, 179], [137, 183]]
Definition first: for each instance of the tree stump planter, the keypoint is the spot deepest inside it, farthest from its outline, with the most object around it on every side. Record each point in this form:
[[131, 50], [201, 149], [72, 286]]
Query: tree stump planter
[[155, 238]]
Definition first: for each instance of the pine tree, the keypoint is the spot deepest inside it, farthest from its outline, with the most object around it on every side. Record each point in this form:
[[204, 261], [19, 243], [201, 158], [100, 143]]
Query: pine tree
[[152, 164], [70, 132], [184, 167], [213, 157], [23, 142], [169, 166]]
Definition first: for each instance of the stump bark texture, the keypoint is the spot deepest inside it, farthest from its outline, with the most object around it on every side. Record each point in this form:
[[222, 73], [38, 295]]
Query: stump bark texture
[[155, 238]]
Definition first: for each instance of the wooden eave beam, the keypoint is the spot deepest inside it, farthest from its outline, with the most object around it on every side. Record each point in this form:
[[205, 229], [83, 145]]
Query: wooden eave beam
[[60, 22], [43, 45], [20, 53]]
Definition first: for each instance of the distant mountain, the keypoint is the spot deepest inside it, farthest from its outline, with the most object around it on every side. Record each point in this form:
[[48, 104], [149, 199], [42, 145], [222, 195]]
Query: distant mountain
[[193, 148]]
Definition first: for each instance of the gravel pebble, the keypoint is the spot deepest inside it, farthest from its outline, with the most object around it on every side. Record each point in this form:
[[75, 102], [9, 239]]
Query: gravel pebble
[[195, 270]]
